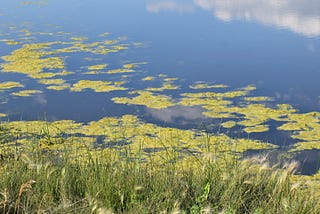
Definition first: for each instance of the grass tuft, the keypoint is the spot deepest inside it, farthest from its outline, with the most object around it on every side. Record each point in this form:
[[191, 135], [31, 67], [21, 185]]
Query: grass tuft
[[40, 182]]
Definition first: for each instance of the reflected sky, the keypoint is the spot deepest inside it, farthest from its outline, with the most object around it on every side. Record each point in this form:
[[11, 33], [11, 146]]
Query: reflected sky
[[298, 16]]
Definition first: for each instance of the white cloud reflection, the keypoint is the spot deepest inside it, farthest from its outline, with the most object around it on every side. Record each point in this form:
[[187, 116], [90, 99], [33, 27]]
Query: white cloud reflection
[[300, 16], [40, 99], [182, 113], [169, 5]]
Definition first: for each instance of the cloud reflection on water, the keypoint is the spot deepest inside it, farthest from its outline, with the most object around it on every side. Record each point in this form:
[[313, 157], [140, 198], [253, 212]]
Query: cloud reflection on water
[[184, 114], [170, 5], [298, 16]]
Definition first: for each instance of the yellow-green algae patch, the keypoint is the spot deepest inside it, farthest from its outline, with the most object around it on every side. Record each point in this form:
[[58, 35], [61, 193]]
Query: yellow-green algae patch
[[42, 127], [26, 93], [148, 78], [10, 42], [259, 128], [97, 86], [3, 115], [165, 86], [258, 99], [170, 79], [312, 182], [95, 72], [51, 81], [301, 146], [97, 67], [147, 99], [64, 73], [9, 85], [149, 141], [228, 124], [305, 125], [206, 86], [129, 66], [58, 87], [31, 59], [120, 71], [44, 60]]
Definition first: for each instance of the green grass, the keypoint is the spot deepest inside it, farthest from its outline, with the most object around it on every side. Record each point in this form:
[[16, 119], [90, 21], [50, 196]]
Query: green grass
[[43, 182]]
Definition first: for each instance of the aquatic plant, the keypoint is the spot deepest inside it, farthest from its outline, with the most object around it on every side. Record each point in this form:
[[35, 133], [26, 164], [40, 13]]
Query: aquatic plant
[[9, 85], [26, 93], [97, 86], [146, 98]]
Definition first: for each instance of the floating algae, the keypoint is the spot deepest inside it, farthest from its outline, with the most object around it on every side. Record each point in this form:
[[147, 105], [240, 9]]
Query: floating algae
[[301, 146], [27, 128], [170, 79], [228, 124], [97, 86], [258, 128], [9, 85], [10, 42], [165, 86], [51, 81], [31, 59], [129, 66], [258, 99], [206, 86], [97, 67], [64, 73], [26, 93], [125, 132], [147, 99], [58, 87], [148, 78], [120, 70], [306, 125], [44, 60]]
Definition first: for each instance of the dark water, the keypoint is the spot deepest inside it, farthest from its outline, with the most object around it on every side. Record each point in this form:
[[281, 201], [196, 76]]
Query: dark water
[[272, 44]]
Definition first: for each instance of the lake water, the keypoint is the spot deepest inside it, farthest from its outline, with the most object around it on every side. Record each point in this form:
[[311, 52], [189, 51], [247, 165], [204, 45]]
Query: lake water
[[252, 55]]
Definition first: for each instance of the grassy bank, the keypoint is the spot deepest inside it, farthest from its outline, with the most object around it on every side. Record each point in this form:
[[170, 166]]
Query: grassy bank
[[44, 182]]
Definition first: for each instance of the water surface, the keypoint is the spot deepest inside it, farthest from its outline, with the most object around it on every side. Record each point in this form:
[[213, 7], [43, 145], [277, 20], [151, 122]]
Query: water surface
[[271, 45]]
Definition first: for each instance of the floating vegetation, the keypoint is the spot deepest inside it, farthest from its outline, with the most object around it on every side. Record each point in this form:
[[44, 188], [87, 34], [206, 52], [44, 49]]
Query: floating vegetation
[[97, 67], [259, 128], [149, 78], [52, 81], [206, 86], [301, 146], [258, 99], [3, 115], [170, 79], [10, 42], [136, 135], [165, 86], [97, 86], [228, 124], [147, 99], [119, 71], [31, 59], [64, 73], [9, 85], [26, 93], [44, 60], [129, 66], [58, 87]]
